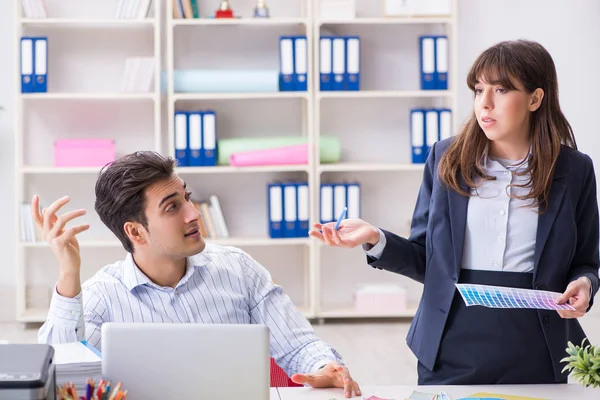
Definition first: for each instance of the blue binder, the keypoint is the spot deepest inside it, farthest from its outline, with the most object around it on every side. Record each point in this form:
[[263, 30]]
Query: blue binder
[[40, 71], [303, 209], [326, 205], [417, 135], [340, 199], [181, 138], [275, 211], [195, 154], [27, 51], [290, 210], [441, 62], [325, 63], [445, 123], [209, 138], [301, 63], [427, 63], [353, 62], [340, 76], [432, 130], [353, 200], [286, 64]]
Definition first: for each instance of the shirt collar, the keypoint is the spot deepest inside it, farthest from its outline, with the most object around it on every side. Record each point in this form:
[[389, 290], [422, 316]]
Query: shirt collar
[[497, 164], [134, 277]]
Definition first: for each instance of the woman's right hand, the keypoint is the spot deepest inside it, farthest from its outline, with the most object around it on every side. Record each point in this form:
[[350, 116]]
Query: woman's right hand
[[351, 233], [62, 241]]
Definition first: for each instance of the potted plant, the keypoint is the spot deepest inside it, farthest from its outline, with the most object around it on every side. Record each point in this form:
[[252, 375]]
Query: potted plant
[[583, 363]]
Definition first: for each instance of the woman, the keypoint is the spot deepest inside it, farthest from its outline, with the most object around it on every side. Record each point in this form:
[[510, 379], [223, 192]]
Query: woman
[[509, 202]]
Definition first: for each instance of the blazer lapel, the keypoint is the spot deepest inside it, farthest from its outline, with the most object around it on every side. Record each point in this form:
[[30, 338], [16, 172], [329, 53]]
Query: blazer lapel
[[546, 219], [458, 220]]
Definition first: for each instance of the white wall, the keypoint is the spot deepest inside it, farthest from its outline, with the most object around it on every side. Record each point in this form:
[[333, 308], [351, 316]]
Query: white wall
[[568, 29]]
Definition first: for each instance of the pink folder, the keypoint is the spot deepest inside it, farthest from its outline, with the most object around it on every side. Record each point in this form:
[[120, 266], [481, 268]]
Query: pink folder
[[287, 155]]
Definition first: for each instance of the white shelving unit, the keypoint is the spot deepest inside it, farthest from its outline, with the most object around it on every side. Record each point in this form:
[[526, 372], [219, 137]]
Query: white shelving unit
[[243, 39], [372, 125], [87, 48]]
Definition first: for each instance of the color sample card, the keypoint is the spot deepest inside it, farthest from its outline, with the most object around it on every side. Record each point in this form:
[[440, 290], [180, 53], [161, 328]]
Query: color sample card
[[505, 297]]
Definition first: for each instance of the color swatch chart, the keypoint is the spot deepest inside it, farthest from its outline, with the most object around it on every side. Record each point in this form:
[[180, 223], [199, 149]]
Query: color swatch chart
[[505, 297]]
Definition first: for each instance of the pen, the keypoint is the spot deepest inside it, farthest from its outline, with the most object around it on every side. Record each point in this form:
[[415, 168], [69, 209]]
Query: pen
[[342, 216]]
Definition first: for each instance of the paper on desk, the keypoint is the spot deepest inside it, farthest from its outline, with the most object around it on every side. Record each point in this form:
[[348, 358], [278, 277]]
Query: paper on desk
[[75, 362], [505, 297], [428, 396], [503, 396], [422, 396]]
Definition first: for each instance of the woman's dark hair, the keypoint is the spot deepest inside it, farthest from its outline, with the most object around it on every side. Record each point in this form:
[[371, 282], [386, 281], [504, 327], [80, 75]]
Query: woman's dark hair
[[504, 63]]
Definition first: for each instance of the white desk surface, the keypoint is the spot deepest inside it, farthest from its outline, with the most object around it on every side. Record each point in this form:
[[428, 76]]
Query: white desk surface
[[550, 392]]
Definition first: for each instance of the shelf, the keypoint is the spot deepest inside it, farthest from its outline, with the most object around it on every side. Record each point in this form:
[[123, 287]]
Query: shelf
[[260, 241], [238, 21], [234, 241], [350, 312], [39, 315], [180, 170], [82, 244], [367, 167], [59, 170], [33, 315], [374, 94], [238, 170], [239, 96], [88, 23], [390, 21], [89, 96]]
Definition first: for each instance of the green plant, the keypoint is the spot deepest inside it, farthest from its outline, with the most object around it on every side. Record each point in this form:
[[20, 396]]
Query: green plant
[[583, 363]]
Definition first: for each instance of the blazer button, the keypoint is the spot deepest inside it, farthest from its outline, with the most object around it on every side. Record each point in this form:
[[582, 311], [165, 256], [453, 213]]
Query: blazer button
[[540, 286], [546, 320]]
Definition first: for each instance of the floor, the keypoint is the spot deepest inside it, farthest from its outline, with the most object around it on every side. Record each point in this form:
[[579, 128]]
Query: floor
[[375, 352]]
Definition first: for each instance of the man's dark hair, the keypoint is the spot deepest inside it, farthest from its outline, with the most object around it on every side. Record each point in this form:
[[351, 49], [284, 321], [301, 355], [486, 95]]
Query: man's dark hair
[[120, 190]]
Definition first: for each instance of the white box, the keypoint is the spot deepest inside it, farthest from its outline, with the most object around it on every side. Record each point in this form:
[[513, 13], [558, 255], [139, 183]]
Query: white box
[[416, 8], [337, 10], [380, 299]]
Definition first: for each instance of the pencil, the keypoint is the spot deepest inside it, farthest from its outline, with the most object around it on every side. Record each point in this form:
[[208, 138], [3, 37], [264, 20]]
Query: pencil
[[115, 391]]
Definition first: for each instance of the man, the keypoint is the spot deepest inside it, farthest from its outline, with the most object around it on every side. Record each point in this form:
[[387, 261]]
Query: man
[[170, 275]]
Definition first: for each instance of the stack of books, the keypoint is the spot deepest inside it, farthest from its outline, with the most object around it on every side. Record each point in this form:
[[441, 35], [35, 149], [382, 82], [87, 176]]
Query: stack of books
[[133, 9], [138, 75], [212, 223], [34, 9]]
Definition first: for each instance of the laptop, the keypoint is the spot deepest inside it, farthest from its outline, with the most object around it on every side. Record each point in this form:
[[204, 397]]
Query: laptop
[[187, 361]]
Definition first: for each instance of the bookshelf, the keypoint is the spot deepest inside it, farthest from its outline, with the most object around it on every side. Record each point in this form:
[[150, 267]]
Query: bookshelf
[[232, 44], [371, 124], [87, 49]]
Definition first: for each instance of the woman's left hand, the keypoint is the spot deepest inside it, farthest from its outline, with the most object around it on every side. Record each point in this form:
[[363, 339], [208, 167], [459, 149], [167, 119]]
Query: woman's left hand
[[578, 296]]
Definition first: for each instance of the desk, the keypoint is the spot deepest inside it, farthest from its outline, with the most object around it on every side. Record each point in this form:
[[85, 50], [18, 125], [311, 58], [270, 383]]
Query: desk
[[552, 392]]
